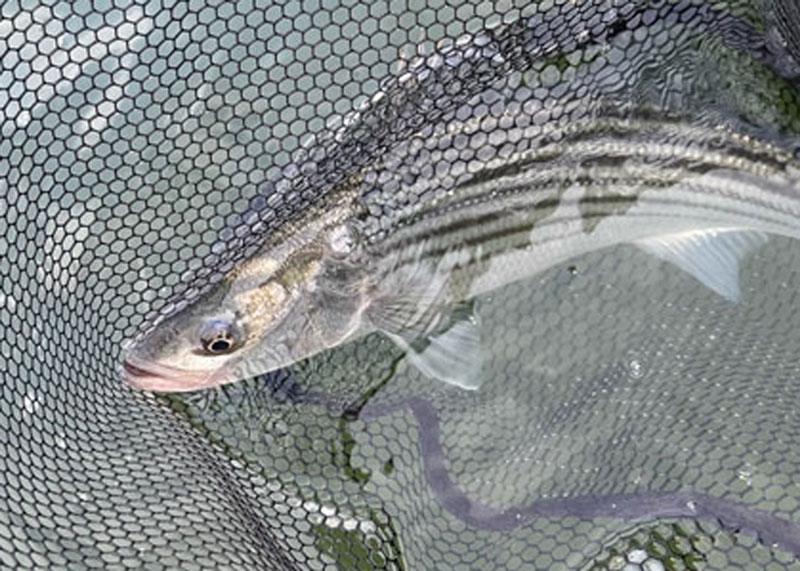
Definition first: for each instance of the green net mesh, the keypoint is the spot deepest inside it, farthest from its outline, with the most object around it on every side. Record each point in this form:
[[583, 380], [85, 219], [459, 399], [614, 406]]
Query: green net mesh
[[634, 420]]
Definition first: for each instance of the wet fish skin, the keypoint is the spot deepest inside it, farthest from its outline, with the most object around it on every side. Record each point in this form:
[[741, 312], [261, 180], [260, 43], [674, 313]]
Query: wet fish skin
[[274, 292], [320, 285], [449, 213]]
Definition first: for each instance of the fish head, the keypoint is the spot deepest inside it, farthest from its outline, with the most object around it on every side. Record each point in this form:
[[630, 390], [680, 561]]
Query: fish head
[[267, 313], [191, 349]]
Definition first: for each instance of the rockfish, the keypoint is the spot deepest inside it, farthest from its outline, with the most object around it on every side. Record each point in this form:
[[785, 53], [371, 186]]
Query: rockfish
[[535, 167]]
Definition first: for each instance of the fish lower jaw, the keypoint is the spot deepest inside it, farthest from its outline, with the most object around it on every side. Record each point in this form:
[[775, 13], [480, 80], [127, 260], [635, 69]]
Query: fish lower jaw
[[174, 380]]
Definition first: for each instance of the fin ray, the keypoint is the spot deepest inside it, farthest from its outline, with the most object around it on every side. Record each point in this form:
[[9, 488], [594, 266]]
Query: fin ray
[[711, 256], [454, 356]]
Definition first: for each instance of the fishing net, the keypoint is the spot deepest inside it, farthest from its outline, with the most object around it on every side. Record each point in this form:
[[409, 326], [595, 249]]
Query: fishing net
[[632, 419]]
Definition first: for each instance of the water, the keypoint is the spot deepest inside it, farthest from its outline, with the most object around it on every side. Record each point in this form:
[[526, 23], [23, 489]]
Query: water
[[629, 408], [629, 394]]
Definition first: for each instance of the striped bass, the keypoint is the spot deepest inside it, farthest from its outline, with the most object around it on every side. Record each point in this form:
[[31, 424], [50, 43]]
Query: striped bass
[[504, 184]]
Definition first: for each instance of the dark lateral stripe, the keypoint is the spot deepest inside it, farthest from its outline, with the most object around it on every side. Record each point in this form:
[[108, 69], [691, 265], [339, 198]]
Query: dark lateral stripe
[[677, 170], [551, 141], [492, 235], [690, 159], [499, 235]]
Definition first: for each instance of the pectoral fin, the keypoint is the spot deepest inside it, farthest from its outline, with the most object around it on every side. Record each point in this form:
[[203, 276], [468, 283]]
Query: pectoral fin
[[409, 301], [454, 356], [711, 256], [443, 340]]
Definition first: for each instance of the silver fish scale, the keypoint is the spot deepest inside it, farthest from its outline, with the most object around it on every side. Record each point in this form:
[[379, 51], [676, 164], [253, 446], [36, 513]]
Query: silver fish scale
[[435, 170], [634, 420], [433, 89], [521, 113]]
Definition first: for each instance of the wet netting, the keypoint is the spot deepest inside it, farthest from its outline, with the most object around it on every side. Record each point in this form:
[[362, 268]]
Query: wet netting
[[633, 419]]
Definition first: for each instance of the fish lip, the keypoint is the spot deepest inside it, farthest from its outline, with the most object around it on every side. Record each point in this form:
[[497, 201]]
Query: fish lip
[[156, 377], [136, 370]]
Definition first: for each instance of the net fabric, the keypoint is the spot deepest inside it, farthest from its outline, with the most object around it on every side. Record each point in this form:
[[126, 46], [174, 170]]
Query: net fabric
[[136, 142]]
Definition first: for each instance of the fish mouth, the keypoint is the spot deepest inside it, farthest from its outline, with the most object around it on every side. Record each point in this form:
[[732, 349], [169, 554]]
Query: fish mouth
[[162, 378]]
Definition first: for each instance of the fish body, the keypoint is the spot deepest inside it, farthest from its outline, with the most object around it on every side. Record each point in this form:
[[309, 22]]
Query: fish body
[[503, 184]]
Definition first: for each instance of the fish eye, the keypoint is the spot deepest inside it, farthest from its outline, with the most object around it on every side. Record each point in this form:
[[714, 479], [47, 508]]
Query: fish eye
[[220, 345], [219, 337]]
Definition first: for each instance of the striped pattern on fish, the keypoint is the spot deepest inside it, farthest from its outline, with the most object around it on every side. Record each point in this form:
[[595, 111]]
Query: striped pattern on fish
[[440, 190]]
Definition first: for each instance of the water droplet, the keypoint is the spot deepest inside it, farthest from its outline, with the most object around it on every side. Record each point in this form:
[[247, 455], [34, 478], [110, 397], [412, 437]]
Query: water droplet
[[636, 368]]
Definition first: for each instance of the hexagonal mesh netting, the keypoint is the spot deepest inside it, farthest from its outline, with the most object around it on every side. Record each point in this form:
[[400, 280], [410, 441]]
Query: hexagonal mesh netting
[[634, 419]]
